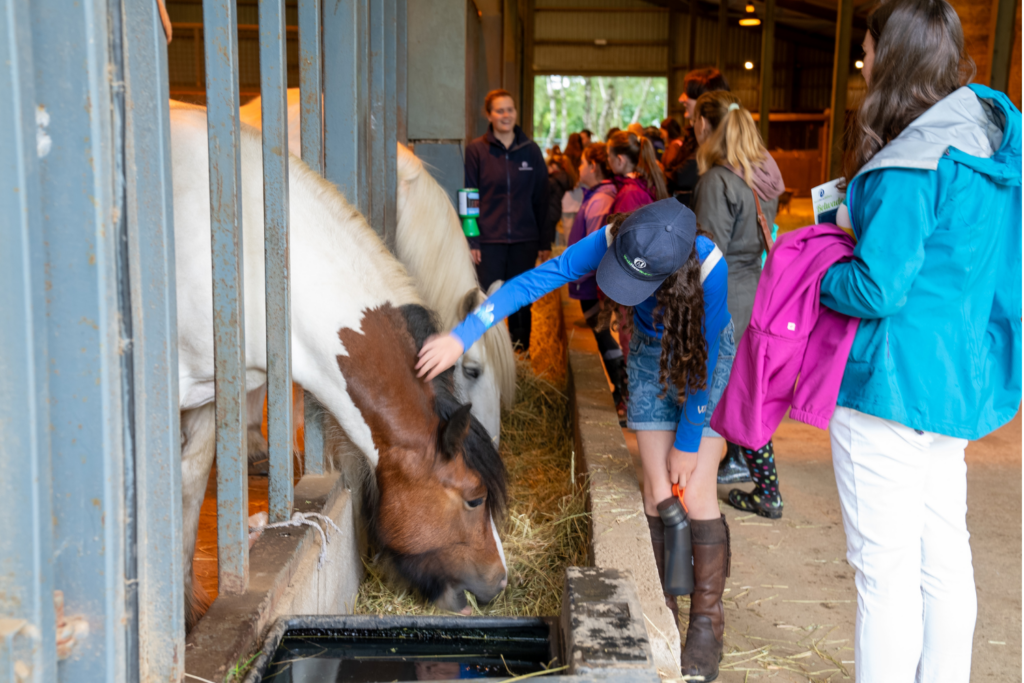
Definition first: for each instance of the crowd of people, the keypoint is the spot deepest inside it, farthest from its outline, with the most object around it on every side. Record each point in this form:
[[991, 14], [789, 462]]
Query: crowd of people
[[665, 231]]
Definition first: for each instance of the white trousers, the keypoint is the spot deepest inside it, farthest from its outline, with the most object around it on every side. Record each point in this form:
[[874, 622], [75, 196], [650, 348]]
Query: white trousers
[[904, 501]]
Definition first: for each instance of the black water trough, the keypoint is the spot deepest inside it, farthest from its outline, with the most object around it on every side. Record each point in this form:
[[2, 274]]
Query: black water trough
[[599, 636]]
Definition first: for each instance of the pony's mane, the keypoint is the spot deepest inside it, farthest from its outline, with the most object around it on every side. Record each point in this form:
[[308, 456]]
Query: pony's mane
[[438, 258]]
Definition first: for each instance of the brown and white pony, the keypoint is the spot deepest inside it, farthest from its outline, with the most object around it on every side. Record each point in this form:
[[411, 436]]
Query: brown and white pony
[[432, 247], [357, 324]]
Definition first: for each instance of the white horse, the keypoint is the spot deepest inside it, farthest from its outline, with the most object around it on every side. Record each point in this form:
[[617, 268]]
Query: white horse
[[357, 323], [431, 245]]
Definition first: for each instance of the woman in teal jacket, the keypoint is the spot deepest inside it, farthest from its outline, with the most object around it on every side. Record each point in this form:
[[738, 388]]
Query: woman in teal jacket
[[935, 204]]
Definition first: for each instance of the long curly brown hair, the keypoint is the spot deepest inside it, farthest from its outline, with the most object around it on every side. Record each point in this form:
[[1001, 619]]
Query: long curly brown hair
[[680, 310]]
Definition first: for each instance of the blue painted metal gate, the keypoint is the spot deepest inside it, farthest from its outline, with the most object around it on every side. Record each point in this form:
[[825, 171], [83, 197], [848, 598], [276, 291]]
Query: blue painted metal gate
[[90, 478]]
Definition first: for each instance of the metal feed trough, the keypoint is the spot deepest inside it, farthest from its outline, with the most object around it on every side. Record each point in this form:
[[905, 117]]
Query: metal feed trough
[[91, 490]]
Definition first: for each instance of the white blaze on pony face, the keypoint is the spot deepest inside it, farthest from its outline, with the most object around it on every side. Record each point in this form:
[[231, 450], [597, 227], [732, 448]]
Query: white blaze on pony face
[[501, 550]]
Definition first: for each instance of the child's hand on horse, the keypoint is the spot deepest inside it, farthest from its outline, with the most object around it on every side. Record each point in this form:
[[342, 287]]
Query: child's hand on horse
[[680, 466], [439, 353]]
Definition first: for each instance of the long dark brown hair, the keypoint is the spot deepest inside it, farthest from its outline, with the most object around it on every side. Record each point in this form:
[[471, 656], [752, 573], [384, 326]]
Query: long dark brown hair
[[641, 154], [574, 149], [680, 310], [919, 59]]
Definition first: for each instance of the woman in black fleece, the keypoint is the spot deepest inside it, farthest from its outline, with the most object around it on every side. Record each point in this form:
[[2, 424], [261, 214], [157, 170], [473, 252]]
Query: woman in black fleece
[[509, 170]]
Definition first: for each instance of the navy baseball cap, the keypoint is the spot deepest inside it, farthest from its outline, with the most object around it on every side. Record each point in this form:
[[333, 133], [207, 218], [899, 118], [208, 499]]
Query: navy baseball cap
[[654, 242]]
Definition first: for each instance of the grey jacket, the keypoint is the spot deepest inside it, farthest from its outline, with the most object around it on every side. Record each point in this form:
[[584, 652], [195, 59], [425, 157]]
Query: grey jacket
[[725, 207]]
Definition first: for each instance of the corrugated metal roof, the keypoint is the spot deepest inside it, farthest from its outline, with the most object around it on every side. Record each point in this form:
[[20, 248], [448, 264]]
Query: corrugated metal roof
[[611, 60], [595, 25], [627, 4]]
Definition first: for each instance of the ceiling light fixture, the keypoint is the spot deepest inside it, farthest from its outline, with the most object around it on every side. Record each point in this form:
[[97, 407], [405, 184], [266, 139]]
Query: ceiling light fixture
[[859, 64], [748, 65], [751, 20]]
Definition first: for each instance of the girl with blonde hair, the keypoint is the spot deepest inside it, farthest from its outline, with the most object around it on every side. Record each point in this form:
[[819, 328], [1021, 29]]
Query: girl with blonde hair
[[736, 174]]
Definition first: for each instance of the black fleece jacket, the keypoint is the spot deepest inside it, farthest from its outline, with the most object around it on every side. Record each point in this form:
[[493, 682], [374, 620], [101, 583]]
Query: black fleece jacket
[[513, 184]]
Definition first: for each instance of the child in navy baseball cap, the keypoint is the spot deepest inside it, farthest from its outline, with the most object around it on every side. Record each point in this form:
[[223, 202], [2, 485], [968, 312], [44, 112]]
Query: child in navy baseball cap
[[674, 282]]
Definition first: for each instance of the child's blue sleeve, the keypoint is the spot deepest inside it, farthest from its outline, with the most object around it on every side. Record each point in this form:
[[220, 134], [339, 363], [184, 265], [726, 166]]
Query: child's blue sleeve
[[716, 317], [578, 260]]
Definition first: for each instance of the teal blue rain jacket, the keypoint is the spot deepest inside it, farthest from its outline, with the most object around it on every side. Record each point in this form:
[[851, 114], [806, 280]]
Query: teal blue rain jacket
[[936, 274]]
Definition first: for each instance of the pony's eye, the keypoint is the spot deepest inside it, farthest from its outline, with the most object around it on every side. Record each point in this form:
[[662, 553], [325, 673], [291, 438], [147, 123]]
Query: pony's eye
[[471, 371], [475, 503]]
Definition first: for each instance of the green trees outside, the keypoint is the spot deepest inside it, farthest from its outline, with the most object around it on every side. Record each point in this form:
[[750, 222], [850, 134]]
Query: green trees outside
[[563, 105]]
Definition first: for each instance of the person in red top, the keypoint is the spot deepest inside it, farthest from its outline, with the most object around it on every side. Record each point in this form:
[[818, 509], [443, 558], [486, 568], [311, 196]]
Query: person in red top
[[639, 181]]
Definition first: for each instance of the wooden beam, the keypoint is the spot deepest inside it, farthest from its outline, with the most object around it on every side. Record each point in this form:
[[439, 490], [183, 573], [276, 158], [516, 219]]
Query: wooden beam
[[526, 122], [1002, 45], [601, 42], [723, 28], [767, 64], [606, 10], [840, 76], [673, 46], [691, 41]]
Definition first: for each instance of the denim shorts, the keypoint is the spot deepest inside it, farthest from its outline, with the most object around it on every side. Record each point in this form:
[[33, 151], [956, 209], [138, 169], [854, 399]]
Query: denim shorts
[[646, 411]]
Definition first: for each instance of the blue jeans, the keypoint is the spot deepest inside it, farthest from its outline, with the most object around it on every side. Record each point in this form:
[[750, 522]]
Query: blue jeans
[[648, 410]]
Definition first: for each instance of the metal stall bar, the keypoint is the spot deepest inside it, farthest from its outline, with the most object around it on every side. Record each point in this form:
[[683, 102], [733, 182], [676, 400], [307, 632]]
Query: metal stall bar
[[221, 43], [346, 114], [311, 84], [383, 28], [27, 629], [274, 92], [311, 95], [150, 231], [402, 69], [77, 69]]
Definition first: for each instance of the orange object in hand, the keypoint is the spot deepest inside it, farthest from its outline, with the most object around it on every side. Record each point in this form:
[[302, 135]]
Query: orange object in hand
[[680, 491]]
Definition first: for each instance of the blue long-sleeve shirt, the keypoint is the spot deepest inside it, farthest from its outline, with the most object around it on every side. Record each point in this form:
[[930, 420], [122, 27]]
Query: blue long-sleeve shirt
[[584, 257]]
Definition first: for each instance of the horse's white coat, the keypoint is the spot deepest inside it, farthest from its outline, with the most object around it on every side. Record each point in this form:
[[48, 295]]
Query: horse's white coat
[[345, 269], [430, 244]]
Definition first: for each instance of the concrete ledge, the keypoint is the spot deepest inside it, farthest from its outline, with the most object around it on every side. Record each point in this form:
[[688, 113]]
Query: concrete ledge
[[603, 623], [619, 535], [283, 579]]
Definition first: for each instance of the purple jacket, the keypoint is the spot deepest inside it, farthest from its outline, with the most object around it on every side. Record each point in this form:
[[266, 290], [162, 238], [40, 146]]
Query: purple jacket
[[593, 213], [790, 335]]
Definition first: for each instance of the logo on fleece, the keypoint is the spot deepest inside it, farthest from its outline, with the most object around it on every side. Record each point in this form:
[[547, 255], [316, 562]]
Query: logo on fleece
[[526, 167], [486, 314], [637, 264]]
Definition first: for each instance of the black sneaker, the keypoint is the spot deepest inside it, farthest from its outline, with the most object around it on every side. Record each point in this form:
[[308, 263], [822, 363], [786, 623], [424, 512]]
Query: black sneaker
[[733, 468]]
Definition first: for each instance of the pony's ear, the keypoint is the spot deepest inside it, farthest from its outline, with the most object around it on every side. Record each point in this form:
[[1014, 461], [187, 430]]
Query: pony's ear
[[470, 301], [453, 432], [495, 286]]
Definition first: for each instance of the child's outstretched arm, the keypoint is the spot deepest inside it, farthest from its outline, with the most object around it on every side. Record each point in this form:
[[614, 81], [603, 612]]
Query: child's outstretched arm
[[440, 352]]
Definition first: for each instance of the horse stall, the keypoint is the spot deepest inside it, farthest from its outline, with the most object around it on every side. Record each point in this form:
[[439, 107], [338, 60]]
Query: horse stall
[[167, 267]]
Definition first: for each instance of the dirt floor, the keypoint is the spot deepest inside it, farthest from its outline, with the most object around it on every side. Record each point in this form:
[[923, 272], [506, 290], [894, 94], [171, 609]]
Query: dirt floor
[[791, 600]]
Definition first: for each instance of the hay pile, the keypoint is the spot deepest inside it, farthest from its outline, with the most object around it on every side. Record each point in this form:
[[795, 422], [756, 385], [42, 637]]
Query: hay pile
[[546, 528]]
